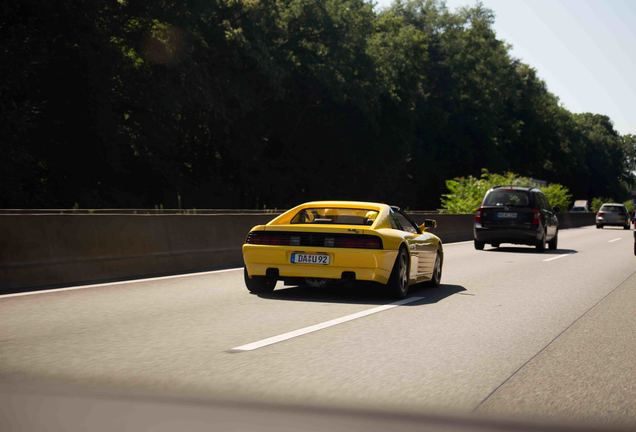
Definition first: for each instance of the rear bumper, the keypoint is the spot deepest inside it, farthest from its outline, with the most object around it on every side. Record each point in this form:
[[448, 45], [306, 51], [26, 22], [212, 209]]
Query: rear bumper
[[507, 235], [374, 265], [611, 221]]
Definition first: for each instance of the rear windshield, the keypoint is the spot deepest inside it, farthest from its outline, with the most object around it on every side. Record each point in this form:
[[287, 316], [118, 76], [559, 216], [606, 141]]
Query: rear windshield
[[507, 198], [613, 209], [340, 216]]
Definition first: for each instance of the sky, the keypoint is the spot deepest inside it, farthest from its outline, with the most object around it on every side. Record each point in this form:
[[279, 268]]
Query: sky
[[585, 50]]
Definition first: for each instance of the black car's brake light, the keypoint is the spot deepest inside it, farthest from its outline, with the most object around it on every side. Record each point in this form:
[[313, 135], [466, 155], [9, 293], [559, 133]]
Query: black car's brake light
[[478, 215], [536, 216]]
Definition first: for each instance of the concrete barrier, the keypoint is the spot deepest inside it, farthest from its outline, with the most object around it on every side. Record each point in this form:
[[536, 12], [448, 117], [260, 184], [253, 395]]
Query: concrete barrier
[[51, 250], [55, 250], [455, 228]]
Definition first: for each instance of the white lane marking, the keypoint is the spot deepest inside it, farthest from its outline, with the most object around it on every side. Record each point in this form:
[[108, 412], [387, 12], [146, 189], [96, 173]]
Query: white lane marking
[[557, 257], [313, 328], [458, 243], [615, 240], [118, 283]]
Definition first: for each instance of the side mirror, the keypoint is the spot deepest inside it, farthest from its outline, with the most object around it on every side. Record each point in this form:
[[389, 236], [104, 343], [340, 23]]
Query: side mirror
[[428, 223]]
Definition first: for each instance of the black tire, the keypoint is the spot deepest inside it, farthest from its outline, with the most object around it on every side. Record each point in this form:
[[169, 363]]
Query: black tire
[[479, 245], [634, 247], [398, 284], [626, 227], [599, 226], [541, 243], [437, 271], [552, 244], [258, 284]]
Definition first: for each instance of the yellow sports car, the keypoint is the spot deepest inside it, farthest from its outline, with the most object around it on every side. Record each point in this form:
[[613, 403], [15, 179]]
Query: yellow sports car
[[322, 242]]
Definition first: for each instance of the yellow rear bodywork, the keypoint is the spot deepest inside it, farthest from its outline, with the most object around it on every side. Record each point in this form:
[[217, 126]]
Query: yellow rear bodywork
[[368, 264]]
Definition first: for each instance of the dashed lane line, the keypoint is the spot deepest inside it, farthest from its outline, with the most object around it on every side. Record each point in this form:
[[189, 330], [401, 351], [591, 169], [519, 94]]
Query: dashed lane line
[[321, 326]]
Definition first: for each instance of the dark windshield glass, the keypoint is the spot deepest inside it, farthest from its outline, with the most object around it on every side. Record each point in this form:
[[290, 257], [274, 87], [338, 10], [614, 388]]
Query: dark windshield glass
[[507, 198]]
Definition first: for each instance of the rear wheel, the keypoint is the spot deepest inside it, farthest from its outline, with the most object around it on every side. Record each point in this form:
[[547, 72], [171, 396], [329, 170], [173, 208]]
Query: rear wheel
[[259, 284], [599, 226], [479, 245], [437, 272], [552, 244], [626, 226], [398, 284]]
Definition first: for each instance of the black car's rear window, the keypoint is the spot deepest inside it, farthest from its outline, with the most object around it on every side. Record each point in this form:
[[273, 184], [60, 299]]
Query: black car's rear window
[[613, 209], [513, 198]]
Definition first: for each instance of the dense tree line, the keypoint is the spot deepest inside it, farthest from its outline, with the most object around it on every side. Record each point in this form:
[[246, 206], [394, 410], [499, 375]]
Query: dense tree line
[[228, 103]]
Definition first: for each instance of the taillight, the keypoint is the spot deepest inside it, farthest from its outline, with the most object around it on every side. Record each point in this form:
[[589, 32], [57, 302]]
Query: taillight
[[271, 239], [600, 213], [358, 242], [355, 241], [536, 216], [478, 215]]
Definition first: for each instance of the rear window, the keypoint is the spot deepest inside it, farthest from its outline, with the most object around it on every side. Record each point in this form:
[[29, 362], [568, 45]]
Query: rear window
[[336, 216], [511, 198], [613, 209]]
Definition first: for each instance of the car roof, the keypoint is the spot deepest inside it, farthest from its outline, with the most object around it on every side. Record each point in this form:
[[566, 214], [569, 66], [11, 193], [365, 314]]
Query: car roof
[[344, 204], [516, 188], [614, 204]]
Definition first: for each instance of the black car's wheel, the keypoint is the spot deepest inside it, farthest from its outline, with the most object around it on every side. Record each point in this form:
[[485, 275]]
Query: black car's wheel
[[479, 245], [552, 244], [398, 284], [259, 284], [626, 226], [599, 226], [541, 243], [437, 272]]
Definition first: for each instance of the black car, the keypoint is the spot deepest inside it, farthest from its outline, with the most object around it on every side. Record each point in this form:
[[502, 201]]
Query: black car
[[520, 215]]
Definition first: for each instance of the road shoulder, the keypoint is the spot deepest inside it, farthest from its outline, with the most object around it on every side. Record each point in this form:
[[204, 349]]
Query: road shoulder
[[588, 373]]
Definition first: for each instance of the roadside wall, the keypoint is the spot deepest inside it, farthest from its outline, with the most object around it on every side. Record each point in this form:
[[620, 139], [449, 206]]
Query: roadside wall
[[52, 250]]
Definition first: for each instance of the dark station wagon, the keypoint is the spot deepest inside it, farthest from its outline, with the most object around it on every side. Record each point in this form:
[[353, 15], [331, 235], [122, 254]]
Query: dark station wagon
[[519, 215]]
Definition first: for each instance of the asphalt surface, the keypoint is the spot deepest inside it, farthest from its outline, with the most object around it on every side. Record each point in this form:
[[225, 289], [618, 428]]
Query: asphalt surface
[[511, 333]]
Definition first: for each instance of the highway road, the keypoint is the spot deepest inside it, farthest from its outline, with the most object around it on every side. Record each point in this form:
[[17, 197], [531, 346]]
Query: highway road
[[511, 333]]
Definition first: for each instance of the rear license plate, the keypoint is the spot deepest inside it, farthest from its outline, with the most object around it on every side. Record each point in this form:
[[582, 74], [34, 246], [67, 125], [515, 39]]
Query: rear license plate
[[308, 258], [507, 215]]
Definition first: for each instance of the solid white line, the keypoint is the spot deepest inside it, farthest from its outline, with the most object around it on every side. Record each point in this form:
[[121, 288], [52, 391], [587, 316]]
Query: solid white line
[[616, 239], [557, 257], [303, 331], [118, 283]]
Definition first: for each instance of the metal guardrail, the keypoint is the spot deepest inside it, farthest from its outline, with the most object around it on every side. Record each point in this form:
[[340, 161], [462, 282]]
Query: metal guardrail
[[137, 211], [160, 211]]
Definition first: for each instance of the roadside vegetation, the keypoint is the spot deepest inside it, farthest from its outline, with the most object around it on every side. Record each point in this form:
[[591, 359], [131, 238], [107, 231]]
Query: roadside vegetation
[[466, 193], [254, 104]]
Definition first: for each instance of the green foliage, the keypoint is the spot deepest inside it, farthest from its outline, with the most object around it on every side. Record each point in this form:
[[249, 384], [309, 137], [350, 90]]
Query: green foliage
[[245, 103], [597, 202], [629, 205], [558, 196], [466, 193]]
